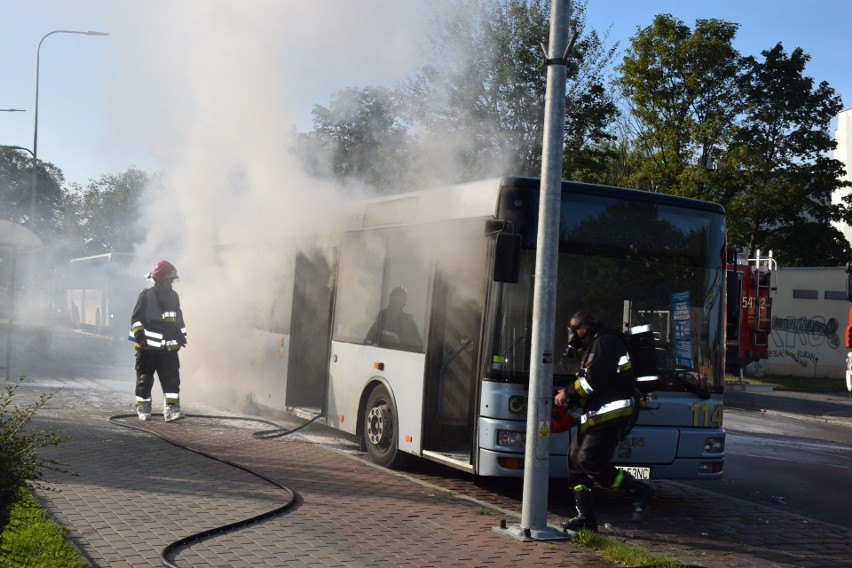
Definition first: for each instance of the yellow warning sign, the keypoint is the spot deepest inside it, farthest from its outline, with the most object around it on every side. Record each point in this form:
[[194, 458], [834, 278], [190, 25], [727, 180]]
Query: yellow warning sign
[[544, 431]]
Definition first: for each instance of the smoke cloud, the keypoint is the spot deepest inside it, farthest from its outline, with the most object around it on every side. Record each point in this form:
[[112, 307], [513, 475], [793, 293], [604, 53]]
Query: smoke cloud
[[219, 89]]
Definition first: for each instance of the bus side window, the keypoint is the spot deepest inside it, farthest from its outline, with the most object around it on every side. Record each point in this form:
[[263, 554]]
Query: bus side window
[[406, 281], [359, 285]]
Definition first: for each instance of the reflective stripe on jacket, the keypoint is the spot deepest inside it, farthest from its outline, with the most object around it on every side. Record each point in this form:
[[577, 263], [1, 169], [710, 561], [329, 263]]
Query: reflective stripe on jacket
[[157, 319], [605, 389]]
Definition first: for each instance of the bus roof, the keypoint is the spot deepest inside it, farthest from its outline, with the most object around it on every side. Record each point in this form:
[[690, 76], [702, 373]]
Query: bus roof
[[446, 203], [106, 257], [480, 199], [622, 193]]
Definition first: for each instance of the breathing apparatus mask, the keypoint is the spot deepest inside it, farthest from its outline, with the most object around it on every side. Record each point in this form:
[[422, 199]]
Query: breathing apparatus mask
[[577, 344]]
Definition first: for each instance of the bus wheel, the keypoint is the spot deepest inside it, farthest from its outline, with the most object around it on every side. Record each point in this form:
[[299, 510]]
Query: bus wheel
[[380, 428]]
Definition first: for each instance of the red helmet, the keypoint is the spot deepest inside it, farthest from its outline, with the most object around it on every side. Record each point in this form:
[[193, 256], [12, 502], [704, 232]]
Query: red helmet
[[164, 270]]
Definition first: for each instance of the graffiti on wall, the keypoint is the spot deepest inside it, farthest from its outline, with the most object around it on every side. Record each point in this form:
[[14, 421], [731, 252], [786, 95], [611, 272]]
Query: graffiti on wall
[[795, 338]]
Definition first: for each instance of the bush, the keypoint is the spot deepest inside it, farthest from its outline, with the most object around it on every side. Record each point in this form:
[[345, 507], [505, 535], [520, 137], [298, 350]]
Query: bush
[[20, 466]]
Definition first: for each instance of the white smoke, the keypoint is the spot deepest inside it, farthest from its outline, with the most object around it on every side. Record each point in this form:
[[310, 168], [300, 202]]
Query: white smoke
[[219, 89]]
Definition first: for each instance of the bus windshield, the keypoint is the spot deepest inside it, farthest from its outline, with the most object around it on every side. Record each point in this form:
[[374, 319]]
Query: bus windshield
[[653, 260]]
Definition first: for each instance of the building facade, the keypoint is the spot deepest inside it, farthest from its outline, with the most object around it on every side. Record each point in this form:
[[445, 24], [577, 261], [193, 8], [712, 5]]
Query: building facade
[[809, 318], [843, 152]]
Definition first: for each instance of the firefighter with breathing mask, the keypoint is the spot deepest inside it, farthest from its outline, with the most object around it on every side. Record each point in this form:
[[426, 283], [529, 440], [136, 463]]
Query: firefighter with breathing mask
[[604, 391], [158, 330]]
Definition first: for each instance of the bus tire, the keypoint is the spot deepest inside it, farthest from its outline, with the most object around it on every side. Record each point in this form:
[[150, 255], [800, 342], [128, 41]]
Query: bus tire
[[381, 428]]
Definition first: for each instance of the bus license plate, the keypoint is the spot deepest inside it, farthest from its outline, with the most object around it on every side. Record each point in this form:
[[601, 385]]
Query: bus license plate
[[637, 472]]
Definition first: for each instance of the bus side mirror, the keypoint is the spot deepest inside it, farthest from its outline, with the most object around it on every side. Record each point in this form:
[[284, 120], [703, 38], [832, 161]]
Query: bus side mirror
[[507, 258], [849, 281]]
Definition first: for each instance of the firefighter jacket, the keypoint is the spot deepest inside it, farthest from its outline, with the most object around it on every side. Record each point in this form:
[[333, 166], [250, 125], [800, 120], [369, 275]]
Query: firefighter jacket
[[157, 321], [604, 387]]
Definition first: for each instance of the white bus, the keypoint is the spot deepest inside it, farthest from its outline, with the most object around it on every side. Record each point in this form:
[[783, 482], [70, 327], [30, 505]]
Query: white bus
[[99, 295], [411, 329]]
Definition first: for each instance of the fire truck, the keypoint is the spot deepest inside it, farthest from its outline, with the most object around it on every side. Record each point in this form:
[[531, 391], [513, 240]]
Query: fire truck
[[749, 308], [849, 329]]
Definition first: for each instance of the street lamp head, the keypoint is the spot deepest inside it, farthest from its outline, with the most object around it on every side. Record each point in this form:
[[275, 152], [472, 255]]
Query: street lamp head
[[35, 121]]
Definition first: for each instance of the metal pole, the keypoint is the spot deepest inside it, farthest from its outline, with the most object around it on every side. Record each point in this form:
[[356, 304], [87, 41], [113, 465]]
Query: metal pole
[[11, 315], [35, 125], [537, 459], [30, 152]]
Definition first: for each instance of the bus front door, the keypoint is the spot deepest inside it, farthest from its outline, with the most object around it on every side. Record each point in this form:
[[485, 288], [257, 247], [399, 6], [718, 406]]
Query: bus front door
[[310, 328], [452, 374]]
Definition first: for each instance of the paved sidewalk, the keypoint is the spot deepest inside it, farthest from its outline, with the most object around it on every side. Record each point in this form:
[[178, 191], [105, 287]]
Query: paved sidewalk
[[136, 493]]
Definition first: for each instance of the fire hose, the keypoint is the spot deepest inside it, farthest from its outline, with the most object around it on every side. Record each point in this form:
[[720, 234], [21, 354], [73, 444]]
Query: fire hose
[[277, 431]]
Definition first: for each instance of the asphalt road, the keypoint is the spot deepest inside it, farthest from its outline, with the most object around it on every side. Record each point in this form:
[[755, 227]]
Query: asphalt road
[[802, 466]]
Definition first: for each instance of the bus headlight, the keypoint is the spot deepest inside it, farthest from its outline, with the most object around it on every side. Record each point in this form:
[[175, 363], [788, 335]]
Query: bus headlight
[[511, 439], [518, 404], [714, 445]]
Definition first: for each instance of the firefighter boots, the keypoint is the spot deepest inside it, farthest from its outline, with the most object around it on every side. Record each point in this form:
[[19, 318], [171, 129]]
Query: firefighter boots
[[172, 412], [143, 410], [642, 494], [585, 518], [642, 502]]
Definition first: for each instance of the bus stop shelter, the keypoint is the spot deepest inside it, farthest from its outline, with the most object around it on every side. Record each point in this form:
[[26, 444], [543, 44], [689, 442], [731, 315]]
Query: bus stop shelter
[[15, 240]]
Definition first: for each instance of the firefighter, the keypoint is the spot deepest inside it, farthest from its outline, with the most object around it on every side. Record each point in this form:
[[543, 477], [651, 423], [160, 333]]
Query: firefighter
[[158, 331], [394, 327], [604, 391]]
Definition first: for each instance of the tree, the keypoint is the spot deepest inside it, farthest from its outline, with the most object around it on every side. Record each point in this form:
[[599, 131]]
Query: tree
[[102, 217], [16, 192], [779, 155], [807, 243], [749, 134], [682, 92], [358, 136], [478, 104]]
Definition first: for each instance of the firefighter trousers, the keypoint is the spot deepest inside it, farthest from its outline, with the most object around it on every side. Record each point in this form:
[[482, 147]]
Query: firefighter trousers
[[165, 364], [590, 457]]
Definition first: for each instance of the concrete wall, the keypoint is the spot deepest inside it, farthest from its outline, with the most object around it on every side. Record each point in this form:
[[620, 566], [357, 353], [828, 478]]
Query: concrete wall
[[809, 313]]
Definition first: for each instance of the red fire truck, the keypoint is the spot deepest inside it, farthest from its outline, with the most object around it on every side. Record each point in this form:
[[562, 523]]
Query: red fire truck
[[749, 308], [849, 329]]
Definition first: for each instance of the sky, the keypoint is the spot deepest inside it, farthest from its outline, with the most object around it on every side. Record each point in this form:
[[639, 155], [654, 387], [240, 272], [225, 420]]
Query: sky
[[106, 103]]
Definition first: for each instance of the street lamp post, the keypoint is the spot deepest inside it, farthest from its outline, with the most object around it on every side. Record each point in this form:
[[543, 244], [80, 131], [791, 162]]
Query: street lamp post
[[35, 127], [27, 150]]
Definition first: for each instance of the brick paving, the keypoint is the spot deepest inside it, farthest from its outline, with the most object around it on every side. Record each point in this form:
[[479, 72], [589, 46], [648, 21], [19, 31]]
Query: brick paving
[[135, 493]]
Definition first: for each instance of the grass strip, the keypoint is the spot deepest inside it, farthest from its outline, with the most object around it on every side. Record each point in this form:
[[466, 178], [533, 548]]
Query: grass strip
[[624, 554], [33, 540], [787, 382]]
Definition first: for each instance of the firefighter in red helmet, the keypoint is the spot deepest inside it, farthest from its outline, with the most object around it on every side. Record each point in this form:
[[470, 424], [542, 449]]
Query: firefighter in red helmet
[[158, 331]]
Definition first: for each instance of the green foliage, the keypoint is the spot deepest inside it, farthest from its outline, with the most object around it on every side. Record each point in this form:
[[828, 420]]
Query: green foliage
[[102, 217], [20, 466], [16, 192], [805, 243], [358, 136], [790, 382], [478, 102], [681, 85], [779, 154], [623, 554], [33, 540], [474, 109], [751, 134]]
